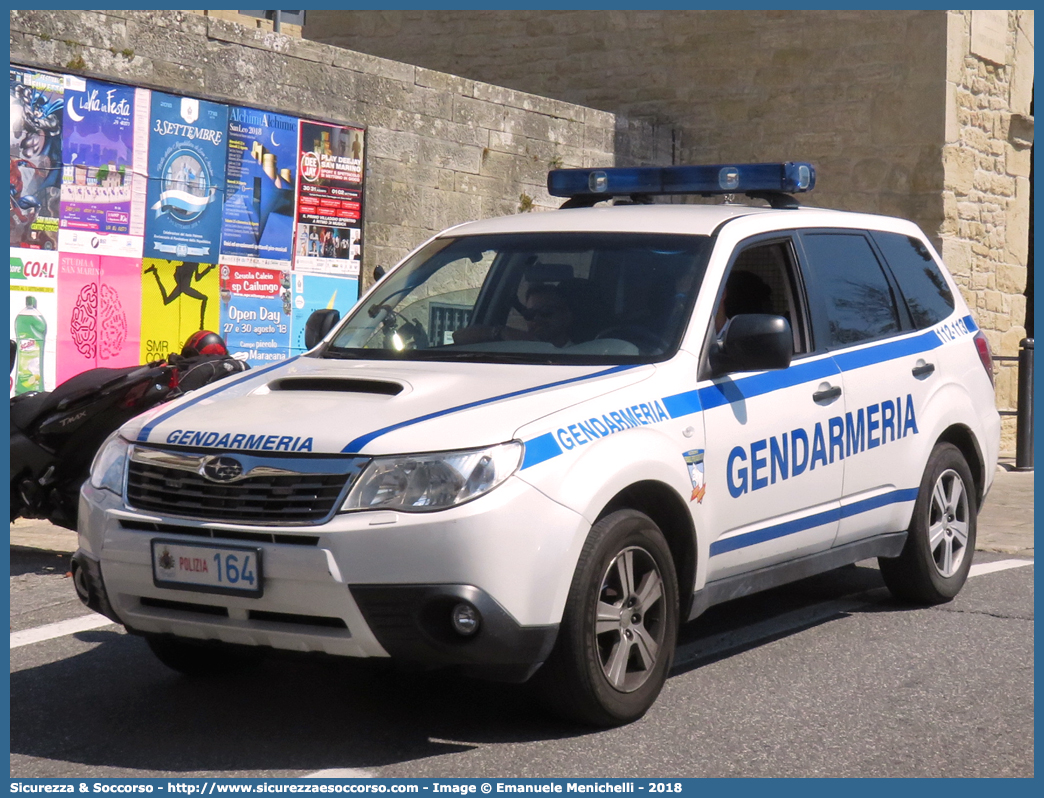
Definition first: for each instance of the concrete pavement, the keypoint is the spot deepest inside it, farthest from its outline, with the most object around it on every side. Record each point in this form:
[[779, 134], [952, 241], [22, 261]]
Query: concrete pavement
[[1005, 523]]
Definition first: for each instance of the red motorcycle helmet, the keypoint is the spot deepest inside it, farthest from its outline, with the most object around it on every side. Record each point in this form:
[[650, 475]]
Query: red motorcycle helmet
[[204, 342]]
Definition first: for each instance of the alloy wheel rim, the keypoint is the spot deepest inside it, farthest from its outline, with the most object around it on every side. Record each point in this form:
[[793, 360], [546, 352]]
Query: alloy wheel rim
[[948, 523], [629, 623]]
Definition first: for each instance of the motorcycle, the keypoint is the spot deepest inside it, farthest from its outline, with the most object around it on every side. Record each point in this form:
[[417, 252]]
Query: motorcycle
[[55, 435]]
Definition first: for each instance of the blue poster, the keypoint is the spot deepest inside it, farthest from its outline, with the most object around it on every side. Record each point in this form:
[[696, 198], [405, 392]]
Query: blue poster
[[104, 152], [187, 144], [255, 312], [315, 291], [261, 171]]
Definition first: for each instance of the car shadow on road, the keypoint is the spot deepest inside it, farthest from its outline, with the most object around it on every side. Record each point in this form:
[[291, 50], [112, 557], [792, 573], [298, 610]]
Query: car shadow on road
[[117, 711], [32, 561], [782, 612]]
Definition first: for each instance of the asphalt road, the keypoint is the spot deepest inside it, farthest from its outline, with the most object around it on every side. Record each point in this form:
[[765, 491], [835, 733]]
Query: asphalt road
[[826, 677]]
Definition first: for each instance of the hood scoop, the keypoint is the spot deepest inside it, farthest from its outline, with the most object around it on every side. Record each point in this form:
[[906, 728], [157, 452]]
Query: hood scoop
[[337, 385]]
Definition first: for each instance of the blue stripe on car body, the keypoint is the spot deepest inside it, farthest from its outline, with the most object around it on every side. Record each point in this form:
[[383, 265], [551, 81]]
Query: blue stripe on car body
[[541, 448], [722, 393], [143, 435], [356, 446], [775, 531]]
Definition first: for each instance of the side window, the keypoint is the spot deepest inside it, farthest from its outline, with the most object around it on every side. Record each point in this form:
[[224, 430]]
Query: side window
[[921, 283], [763, 279], [858, 298]]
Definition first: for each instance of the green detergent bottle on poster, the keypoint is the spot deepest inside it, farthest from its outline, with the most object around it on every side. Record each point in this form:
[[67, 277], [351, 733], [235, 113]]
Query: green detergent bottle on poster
[[30, 332]]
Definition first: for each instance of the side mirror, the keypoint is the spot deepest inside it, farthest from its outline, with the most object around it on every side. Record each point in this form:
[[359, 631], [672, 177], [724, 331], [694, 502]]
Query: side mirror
[[753, 342], [379, 272], [319, 324]]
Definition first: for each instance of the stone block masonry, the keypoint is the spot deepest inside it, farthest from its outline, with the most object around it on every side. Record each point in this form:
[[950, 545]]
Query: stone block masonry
[[923, 114], [441, 149], [986, 163]]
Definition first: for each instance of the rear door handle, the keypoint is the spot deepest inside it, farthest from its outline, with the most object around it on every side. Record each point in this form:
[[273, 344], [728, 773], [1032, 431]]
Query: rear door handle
[[923, 370], [826, 395]]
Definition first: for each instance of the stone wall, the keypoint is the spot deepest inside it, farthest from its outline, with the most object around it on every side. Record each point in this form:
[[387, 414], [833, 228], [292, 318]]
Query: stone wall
[[986, 158], [859, 93], [899, 110], [441, 149]]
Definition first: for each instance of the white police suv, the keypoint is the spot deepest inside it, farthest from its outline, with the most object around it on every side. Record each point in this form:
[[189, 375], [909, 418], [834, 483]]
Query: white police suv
[[542, 442]]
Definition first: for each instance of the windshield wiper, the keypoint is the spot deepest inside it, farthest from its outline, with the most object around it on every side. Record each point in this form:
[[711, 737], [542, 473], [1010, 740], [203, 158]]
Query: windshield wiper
[[484, 356], [340, 353]]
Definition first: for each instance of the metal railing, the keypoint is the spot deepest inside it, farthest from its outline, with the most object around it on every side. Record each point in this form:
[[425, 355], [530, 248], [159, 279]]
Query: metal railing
[[1023, 411]]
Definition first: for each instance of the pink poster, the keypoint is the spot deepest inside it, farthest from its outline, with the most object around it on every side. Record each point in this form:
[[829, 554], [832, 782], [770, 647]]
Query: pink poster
[[119, 313], [77, 314], [99, 313]]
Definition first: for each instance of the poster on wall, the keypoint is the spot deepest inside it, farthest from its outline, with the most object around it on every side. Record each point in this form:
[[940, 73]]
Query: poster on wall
[[99, 313], [255, 312], [317, 291], [187, 148], [329, 199], [178, 298], [119, 313], [260, 174], [36, 158], [34, 319], [102, 207]]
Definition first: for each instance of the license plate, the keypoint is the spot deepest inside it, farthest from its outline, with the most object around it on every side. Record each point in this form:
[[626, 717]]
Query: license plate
[[230, 570]]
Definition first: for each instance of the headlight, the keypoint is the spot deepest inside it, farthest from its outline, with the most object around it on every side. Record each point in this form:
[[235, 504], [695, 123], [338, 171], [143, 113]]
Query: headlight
[[110, 463], [424, 482]]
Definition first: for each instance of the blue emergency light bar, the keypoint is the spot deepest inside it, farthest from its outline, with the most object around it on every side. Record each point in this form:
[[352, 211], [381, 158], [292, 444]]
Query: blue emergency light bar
[[742, 178]]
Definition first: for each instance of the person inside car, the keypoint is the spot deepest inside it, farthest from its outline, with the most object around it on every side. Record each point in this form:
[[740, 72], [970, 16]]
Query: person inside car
[[548, 319], [745, 292]]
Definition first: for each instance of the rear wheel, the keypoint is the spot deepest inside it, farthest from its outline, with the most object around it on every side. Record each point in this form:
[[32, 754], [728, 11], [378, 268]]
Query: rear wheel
[[616, 641], [934, 563], [193, 658]]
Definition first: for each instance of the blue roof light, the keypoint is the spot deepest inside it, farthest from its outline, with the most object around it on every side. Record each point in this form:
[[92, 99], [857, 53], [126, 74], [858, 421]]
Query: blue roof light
[[662, 180]]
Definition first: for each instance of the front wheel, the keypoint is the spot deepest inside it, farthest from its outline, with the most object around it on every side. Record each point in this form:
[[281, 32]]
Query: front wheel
[[616, 641], [934, 563]]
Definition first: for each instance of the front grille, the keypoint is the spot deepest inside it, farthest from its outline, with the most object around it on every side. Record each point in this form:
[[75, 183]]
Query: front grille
[[253, 615], [284, 499], [183, 606], [228, 534], [299, 620]]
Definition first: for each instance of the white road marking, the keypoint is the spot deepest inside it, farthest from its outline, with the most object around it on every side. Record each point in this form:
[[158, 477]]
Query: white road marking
[[52, 630], [1000, 565], [339, 773]]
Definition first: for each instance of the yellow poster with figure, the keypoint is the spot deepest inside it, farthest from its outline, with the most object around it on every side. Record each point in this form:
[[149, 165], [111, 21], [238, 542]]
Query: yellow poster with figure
[[177, 299]]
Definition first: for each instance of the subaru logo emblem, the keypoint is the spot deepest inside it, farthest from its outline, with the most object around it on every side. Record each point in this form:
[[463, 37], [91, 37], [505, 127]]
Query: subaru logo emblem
[[222, 469]]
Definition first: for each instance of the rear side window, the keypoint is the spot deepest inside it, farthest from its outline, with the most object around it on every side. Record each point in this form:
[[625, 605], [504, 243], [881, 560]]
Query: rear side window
[[927, 295], [859, 302]]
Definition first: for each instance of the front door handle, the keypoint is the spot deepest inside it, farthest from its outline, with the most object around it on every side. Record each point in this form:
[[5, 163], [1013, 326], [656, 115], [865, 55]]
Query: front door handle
[[923, 370], [826, 395]]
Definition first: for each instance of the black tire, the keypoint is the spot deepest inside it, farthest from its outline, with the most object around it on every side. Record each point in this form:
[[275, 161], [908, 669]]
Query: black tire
[[934, 563], [201, 659], [589, 677]]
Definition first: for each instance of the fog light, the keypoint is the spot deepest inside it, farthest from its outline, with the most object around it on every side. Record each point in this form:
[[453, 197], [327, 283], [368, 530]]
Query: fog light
[[465, 619]]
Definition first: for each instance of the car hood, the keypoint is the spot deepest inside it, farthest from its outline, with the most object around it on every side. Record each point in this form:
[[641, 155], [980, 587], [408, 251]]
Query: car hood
[[374, 407]]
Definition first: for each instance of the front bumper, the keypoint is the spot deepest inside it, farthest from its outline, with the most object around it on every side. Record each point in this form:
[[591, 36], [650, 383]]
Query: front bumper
[[371, 584]]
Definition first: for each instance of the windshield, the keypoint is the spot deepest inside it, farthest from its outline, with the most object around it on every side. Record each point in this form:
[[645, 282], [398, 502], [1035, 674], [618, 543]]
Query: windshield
[[569, 298]]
